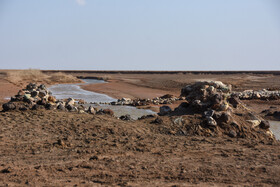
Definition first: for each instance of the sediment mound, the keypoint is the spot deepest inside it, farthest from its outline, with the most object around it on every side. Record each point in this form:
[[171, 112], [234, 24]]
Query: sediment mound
[[211, 109]]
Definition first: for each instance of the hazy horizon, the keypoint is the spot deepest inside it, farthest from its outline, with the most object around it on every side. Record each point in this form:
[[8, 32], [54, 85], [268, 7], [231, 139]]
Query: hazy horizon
[[162, 35]]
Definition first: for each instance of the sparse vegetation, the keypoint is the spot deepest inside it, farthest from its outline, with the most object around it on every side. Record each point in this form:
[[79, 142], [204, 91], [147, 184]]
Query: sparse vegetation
[[20, 77]]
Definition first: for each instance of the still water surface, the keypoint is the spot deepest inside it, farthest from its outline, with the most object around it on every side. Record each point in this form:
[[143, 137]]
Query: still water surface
[[64, 91]]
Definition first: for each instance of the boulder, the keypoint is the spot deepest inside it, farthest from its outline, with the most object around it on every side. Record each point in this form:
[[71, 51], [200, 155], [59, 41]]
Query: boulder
[[126, 117], [31, 86], [34, 93], [70, 107], [232, 134], [23, 108], [157, 121], [164, 110], [42, 87], [211, 122], [91, 110], [108, 112], [60, 106], [8, 106], [209, 113], [50, 106], [264, 124], [234, 100], [70, 101], [42, 93], [52, 99]]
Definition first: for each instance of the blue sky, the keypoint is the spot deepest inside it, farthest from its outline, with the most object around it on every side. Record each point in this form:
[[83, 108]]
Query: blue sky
[[140, 35]]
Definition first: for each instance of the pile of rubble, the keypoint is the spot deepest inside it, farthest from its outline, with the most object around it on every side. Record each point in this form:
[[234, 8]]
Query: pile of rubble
[[217, 112], [261, 94], [35, 97], [166, 99]]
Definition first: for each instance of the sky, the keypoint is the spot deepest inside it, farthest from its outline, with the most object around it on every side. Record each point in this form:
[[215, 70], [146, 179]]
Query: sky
[[182, 35]]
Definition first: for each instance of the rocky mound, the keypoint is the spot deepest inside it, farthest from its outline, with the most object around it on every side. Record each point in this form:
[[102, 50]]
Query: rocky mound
[[35, 97], [260, 94], [211, 109]]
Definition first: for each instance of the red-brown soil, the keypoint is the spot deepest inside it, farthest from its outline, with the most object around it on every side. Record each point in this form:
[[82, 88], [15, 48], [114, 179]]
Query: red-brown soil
[[64, 149], [51, 148]]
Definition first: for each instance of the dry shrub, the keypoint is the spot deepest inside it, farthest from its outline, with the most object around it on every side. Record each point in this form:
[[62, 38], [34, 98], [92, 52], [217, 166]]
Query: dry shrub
[[63, 78], [21, 77]]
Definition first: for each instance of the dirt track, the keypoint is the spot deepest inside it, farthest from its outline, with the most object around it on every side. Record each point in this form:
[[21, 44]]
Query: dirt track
[[59, 148]]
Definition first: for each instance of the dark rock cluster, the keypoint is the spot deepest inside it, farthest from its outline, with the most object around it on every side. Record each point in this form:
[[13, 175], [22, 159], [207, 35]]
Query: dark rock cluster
[[220, 110], [35, 97], [165, 99], [260, 94]]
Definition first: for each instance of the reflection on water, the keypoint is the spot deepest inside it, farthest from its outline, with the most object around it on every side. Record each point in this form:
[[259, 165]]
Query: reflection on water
[[64, 91], [275, 128]]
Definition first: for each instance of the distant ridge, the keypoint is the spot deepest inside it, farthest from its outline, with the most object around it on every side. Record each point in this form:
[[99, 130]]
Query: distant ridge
[[162, 72]]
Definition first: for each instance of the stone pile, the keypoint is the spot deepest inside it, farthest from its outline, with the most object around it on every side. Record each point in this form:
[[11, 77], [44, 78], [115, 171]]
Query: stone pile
[[35, 97], [261, 94], [166, 99], [221, 111]]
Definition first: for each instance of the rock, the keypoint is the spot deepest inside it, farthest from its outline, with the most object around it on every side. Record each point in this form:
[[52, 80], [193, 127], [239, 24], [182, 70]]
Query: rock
[[21, 92], [70, 101], [91, 110], [27, 96], [211, 122], [224, 118], [81, 111], [146, 116], [8, 106], [108, 112], [217, 99], [42, 93], [157, 121], [42, 87], [52, 99], [164, 110], [209, 113], [50, 106], [34, 93], [70, 107], [232, 134], [61, 107], [254, 123], [198, 106], [234, 100], [126, 117], [264, 124], [42, 102], [81, 101], [23, 108], [224, 106], [31, 86]]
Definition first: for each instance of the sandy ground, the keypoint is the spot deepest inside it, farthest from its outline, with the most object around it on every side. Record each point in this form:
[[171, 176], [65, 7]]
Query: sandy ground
[[55, 148], [154, 85], [64, 149], [7, 89], [119, 89]]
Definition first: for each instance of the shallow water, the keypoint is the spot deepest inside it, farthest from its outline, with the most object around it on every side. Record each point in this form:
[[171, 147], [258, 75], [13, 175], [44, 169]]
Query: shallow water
[[64, 91], [275, 128]]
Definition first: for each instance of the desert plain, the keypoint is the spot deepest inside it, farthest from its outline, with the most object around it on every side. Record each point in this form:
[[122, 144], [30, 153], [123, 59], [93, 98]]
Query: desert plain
[[59, 148]]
